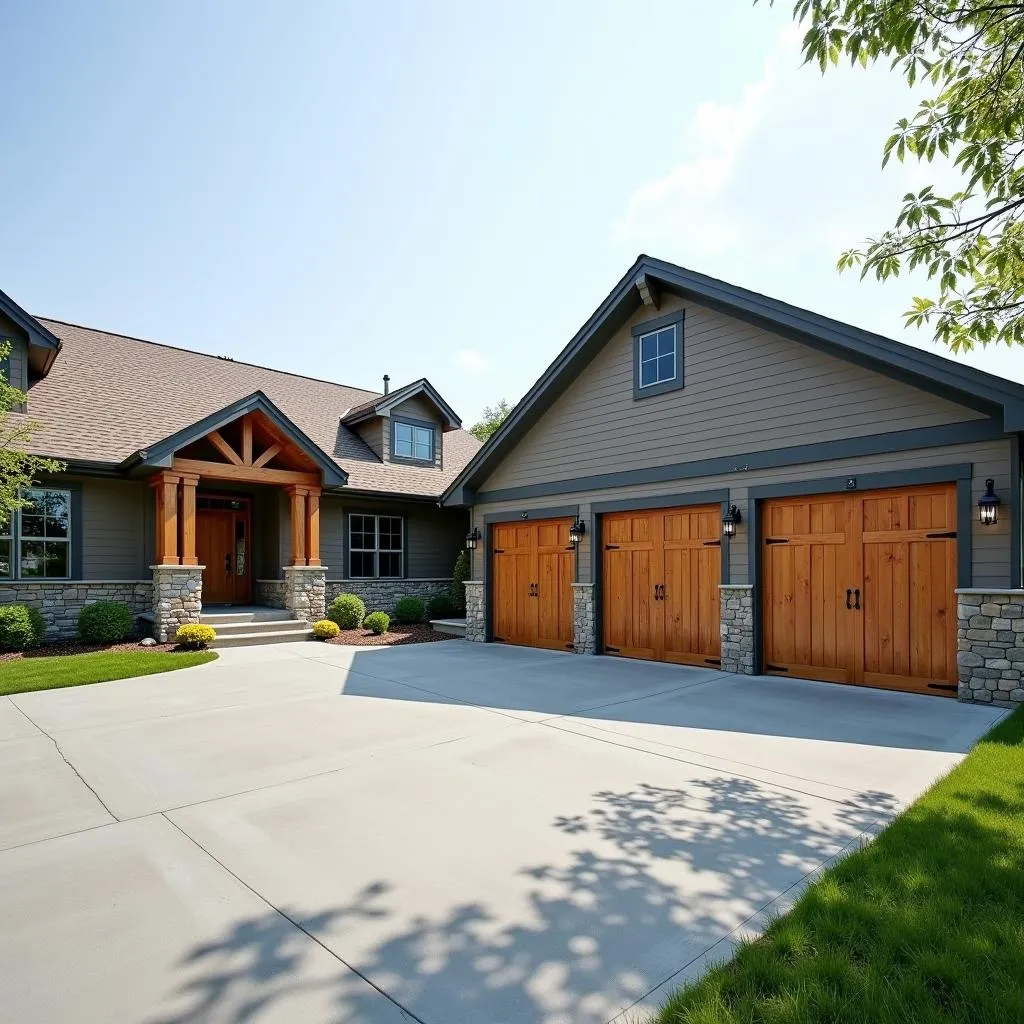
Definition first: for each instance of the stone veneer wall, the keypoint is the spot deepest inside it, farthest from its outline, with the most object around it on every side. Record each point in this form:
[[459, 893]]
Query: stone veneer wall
[[60, 601], [177, 598], [584, 633], [381, 595], [305, 588], [990, 645], [476, 616], [270, 593], [737, 627]]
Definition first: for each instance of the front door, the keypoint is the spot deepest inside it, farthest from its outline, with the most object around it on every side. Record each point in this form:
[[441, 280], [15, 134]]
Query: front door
[[223, 548]]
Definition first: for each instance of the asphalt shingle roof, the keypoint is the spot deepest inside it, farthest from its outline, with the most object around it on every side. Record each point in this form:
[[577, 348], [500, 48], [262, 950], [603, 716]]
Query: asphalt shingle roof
[[109, 395]]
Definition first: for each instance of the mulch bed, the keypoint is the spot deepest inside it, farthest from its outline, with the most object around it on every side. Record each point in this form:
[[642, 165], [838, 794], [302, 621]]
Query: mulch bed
[[418, 634], [60, 648]]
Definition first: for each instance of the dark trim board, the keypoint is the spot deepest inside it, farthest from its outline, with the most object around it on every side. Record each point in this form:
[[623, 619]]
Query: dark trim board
[[711, 497], [867, 481], [1016, 499], [964, 524], [515, 515], [777, 458]]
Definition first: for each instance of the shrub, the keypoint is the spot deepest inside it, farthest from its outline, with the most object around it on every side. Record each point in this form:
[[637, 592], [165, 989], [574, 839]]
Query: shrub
[[442, 606], [195, 636], [325, 629], [460, 573], [21, 626], [409, 610], [377, 622], [105, 622], [347, 610]]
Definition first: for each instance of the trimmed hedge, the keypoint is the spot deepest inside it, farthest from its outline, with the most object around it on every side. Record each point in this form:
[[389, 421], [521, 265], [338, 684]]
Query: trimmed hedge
[[195, 636], [105, 622], [442, 606], [409, 610], [377, 622], [21, 626], [325, 629], [347, 610]]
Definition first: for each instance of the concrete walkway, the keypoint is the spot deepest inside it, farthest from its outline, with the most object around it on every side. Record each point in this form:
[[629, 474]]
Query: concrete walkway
[[441, 833]]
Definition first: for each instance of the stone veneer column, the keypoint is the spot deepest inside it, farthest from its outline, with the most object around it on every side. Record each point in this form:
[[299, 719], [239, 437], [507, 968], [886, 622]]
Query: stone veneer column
[[177, 598], [737, 627], [990, 645], [476, 617], [584, 634], [305, 591]]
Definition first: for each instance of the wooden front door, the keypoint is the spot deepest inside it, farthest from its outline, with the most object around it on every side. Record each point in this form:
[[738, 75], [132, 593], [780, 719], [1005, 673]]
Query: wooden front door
[[223, 546], [532, 570], [860, 589], [662, 569]]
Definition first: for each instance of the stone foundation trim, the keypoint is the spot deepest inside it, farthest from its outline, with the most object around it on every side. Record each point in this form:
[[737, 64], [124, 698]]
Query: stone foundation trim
[[476, 616], [990, 645], [60, 601], [584, 624], [177, 598], [382, 595], [736, 604], [270, 593], [305, 592]]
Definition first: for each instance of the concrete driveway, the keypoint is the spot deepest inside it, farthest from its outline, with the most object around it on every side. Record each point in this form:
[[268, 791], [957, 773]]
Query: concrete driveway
[[443, 833]]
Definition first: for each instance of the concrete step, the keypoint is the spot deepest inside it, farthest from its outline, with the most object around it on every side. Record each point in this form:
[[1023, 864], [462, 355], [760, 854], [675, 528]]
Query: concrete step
[[279, 636], [258, 626], [229, 616], [453, 627]]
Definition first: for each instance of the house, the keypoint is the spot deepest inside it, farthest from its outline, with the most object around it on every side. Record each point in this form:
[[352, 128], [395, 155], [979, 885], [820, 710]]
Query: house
[[708, 476], [195, 481]]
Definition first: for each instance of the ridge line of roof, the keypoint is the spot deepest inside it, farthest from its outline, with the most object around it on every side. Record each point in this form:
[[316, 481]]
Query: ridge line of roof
[[206, 355]]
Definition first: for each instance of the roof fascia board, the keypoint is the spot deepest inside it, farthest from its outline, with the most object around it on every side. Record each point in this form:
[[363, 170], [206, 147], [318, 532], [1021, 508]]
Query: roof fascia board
[[384, 405], [44, 341]]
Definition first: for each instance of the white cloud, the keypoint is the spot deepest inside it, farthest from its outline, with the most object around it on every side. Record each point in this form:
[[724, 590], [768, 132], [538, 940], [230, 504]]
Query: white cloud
[[471, 361]]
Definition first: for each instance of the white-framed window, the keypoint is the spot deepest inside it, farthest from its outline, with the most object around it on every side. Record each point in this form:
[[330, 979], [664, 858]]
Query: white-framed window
[[412, 441], [374, 546], [44, 534], [657, 355]]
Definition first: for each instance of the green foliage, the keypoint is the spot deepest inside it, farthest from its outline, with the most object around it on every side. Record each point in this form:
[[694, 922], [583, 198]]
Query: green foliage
[[105, 622], [325, 629], [21, 626], [493, 417], [460, 574], [409, 610], [195, 636], [377, 622], [441, 606], [18, 469], [970, 243], [347, 611]]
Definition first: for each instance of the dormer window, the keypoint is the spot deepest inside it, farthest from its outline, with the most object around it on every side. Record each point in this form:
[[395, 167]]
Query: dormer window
[[658, 356], [413, 441]]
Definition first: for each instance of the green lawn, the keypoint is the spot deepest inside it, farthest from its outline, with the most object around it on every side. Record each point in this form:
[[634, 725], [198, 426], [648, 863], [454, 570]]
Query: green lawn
[[27, 674], [924, 925]]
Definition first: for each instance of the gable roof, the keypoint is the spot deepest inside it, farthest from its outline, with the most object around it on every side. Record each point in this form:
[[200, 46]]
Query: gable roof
[[383, 404], [109, 396], [963, 384], [43, 344]]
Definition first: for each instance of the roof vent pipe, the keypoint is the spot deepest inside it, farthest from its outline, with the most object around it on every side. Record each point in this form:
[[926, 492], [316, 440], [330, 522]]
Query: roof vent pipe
[[387, 383]]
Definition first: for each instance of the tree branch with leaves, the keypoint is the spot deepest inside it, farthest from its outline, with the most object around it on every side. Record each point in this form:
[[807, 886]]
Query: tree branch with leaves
[[970, 243], [493, 417]]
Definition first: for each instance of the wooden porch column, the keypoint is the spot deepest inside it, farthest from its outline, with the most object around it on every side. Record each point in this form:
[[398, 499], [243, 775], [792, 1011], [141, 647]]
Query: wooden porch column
[[313, 526], [165, 484], [298, 509], [188, 519]]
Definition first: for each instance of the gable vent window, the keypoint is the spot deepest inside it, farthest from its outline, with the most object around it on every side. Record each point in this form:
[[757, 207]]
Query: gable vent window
[[412, 441], [658, 356]]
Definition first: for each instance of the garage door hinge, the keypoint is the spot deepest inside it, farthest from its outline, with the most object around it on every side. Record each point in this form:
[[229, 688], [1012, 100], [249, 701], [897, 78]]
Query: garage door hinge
[[499, 551], [712, 543], [951, 535], [712, 661], [611, 547], [942, 686], [776, 668], [777, 540], [613, 650]]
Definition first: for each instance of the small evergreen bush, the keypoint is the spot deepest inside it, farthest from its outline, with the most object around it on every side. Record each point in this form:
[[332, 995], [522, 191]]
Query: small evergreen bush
[[409, 610], [347, 610], [21, 627], [460, 573], [442, 606], [377, 622], [195, 636], [325, 629], [105, 622]]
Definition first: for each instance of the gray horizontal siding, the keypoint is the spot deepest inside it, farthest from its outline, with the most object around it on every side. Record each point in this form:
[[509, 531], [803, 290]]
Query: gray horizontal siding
[[115, 514], [745, 390], [990, 546], [372, 432]]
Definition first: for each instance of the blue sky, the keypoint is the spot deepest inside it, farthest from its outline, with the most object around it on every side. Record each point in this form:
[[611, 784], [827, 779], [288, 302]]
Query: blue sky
[[446, 189]]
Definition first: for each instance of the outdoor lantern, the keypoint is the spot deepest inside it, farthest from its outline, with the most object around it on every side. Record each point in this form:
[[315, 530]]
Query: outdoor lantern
[[472, 538], [731, 520], [988, 505], [576, 531]]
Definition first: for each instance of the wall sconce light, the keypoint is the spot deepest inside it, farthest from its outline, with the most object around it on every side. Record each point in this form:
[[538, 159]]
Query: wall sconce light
[[472, 539], [576, 531], [988, 505], [731, 520]]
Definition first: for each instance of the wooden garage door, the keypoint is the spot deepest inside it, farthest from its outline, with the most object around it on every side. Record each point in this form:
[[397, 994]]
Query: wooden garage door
[[662, 568], [532, 571], [860, 589]]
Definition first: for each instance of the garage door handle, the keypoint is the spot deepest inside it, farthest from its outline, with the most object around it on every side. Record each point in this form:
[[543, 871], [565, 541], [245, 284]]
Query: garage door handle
[[849, 594], [856, 599]]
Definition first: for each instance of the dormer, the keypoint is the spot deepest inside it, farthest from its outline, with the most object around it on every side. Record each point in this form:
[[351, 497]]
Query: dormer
[[32, 347], [405, 426]]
